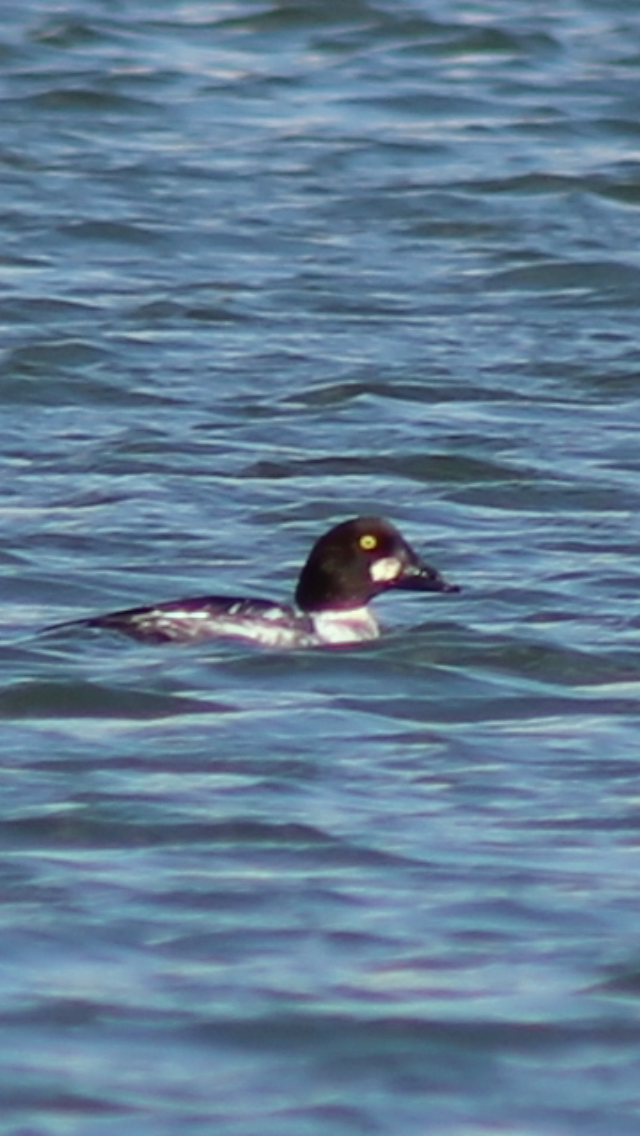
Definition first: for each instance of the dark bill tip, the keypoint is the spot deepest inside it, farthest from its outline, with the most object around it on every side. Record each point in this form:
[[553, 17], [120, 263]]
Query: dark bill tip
[[423, 578], [445, 586]]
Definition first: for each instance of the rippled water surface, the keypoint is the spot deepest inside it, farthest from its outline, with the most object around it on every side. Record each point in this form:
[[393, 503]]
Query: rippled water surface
[[265, 266]]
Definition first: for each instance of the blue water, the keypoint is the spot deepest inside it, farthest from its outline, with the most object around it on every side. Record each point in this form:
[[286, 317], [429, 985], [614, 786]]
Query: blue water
[[265, 266]]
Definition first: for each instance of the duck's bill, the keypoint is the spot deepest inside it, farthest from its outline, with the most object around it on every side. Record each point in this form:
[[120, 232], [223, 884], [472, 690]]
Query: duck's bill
[[421, 577]]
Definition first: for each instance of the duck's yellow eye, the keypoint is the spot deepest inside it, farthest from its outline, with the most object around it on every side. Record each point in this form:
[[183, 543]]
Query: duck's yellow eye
[[368, 541]]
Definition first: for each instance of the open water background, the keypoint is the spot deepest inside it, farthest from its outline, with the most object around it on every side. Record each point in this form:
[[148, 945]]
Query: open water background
[[265, 266]]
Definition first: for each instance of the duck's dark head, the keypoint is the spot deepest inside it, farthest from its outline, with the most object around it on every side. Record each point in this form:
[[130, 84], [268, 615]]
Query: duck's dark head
[[357, 560]]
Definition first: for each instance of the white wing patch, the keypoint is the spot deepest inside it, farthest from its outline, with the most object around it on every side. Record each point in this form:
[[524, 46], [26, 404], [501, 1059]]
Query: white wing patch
[[271, 626]]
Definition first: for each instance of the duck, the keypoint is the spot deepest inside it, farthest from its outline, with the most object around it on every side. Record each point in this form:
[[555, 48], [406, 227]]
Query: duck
[[347, 567]]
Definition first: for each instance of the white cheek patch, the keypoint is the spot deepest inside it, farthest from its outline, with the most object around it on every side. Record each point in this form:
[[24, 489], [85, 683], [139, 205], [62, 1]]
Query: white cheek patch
[[382, 571]]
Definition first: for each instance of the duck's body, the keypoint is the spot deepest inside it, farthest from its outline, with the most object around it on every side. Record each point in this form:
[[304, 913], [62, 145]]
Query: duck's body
[[346, 568], [208, 617]]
